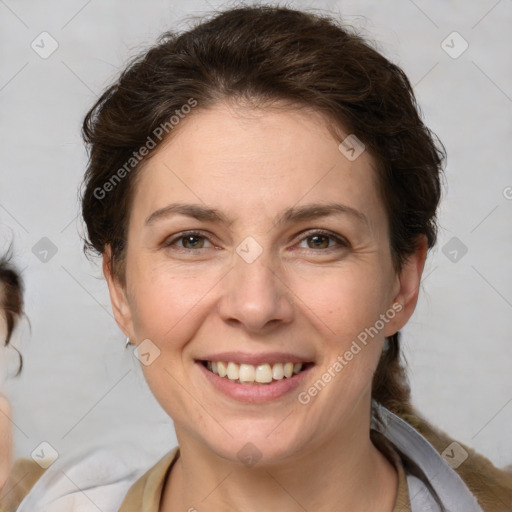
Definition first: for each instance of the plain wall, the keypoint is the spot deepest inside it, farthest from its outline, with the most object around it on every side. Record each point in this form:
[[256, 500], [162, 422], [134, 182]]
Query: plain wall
[[80, 386]]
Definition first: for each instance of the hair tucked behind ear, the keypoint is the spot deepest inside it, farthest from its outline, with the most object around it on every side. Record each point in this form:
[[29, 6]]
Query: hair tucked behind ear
[[390, 384]]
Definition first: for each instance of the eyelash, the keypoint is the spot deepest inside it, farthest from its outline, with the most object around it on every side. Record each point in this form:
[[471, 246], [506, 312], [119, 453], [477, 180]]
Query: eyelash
[[341, 241]]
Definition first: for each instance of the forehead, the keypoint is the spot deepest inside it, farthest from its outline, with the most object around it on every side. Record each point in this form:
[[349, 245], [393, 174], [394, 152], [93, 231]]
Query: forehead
[[242, 159]]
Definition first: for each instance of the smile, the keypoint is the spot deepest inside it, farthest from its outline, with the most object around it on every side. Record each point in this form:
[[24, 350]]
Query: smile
[[250, 374]]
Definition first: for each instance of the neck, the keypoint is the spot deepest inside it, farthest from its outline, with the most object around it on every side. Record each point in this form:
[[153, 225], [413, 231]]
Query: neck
[[345, 473]]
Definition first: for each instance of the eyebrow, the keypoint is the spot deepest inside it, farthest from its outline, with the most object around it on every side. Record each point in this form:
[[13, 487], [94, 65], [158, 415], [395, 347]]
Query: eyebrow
[[290, 215]]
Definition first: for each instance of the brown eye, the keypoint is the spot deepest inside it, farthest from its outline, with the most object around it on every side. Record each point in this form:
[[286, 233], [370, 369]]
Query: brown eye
[[188, 241], [193, 242], [319, 240]]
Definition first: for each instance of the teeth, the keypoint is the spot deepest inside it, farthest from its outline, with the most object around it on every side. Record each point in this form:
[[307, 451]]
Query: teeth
[[278, 371], [222, 370], [233, 371], [288, 370], [263, 374], [249, 374]]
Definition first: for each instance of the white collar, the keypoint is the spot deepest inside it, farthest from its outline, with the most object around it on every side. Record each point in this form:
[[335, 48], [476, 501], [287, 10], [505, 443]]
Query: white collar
[[453, 492], [102, 477]]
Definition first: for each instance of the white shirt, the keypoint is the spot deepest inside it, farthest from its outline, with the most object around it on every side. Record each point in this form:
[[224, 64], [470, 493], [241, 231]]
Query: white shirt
[[100, 479]]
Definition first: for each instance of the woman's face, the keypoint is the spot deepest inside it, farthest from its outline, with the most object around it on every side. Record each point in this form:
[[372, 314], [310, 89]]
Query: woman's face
[[254, 241]]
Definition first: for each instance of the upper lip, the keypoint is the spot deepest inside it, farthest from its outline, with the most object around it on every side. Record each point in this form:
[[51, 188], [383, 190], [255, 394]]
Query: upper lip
[[251, 358]]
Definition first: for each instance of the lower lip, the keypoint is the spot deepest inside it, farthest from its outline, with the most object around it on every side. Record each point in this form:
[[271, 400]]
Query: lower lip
[[255, 393]]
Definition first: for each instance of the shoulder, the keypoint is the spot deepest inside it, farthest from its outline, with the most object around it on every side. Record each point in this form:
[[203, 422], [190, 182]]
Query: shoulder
[[97, 479], [5, 439], [490, 485], [146, 493], [24, 474]]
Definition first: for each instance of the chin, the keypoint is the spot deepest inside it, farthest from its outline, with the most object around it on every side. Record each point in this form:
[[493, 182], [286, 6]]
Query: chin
[[258, 445]]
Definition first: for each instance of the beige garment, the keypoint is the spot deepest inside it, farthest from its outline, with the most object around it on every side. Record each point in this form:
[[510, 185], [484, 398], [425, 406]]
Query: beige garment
[[24, 474], [145, 494]]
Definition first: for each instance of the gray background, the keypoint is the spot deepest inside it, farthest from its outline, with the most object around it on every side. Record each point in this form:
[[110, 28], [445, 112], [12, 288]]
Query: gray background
[[79, 385]]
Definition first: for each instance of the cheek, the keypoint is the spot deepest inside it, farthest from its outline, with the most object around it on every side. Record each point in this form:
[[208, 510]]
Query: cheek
[[348, 304], [345, 301], [164, 300]]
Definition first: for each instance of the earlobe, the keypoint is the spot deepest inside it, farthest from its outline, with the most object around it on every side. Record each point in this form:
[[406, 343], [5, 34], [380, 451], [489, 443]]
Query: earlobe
[[409, 280], [118, 296]]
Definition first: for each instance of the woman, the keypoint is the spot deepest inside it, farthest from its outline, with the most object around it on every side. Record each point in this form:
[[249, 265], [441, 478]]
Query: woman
[[263, 193], [11, 307]]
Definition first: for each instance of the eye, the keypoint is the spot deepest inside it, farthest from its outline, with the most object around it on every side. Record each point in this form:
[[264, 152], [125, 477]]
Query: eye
[[320, 239], [189, 241]]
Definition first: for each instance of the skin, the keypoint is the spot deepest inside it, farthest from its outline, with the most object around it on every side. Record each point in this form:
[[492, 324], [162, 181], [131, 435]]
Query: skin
[[297, 296], [5, 439], [5, 419]]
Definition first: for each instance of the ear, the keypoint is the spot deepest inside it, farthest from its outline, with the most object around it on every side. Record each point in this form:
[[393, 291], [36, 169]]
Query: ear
[[405, 296], [118, 296]]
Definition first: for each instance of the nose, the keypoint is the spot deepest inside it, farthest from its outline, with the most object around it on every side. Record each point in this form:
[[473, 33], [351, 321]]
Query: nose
[[255, 296]]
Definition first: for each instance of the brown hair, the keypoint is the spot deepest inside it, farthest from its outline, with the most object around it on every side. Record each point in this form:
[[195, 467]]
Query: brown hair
[[11, 299], [262, 55]]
